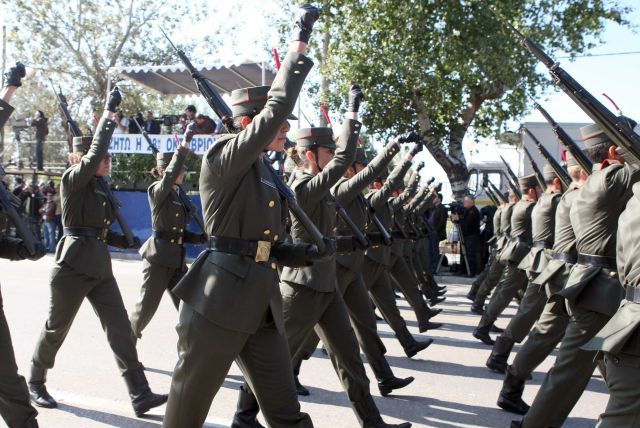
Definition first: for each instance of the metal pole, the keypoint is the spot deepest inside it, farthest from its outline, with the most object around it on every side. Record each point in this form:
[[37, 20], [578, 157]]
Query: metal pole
[[4, 62]]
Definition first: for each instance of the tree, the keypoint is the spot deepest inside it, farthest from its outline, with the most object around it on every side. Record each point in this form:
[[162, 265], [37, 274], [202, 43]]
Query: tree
[[450, 65]]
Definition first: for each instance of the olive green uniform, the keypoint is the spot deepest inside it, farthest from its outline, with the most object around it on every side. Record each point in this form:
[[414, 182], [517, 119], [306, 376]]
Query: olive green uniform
[[163, 253], [83, 263], [231, 305], [593, 292], [513, 279], [619, 339], [15, 406]]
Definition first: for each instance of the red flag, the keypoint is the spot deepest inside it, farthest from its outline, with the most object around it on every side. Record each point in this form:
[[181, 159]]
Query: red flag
[[276, 57], [326, 113]]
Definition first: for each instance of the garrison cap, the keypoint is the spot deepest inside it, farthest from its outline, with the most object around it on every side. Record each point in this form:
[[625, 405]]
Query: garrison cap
[[527, 182], [82, 144], [548, 173], [315, 137], [592, 135], [250, 101], [571, 161], [361, 156]]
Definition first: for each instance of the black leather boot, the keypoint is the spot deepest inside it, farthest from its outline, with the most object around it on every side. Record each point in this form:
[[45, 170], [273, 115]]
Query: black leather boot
[[246, 411], [387, 386], [496, 329], [497, 361], [38, 389], [300, 388], [477, 309], [471, 295], [429, 326], [482, 331], [416, 347], [142, 399], [369, 415], [31, 424], [510, 398], [433, 312]]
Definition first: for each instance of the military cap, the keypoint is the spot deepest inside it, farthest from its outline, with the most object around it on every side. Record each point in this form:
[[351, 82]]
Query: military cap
[[250, 101], [571, 161], [548, 173], [361, 156], [315, 137], [82, 144], [592, 135], [527, 182]]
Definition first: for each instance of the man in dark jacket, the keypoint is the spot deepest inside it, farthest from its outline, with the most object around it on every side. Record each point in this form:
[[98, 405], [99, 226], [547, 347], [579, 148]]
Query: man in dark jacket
[[470, 229], [40, 122], [438, 222]]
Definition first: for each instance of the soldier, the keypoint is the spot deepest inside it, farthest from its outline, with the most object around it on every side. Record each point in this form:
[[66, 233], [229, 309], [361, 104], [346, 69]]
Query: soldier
[[348, 193], [83, 269], [593, 291], [549, 328], [15, 408], [163, 253], [513, 279], [542, 227], [231, 308], [619, 339], [497, 266]]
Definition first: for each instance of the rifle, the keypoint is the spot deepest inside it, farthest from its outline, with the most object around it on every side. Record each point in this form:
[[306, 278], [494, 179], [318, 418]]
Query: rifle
[[562, 136], [386, 237], [561, 173], [102, 182], [22, 230], [498, 193], [512, 178], [491, 196], [215, 101], [617, 128], [536, 170]]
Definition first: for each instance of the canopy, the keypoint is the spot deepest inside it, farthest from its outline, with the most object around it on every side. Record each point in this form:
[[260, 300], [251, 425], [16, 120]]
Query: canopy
[[176, 80]]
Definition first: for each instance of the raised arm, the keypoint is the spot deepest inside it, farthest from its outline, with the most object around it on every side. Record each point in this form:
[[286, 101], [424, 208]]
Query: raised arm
[[172, 171], [13, 80]]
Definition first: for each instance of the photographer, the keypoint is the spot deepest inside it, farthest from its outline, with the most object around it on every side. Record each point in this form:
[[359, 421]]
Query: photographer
[[468, 218]]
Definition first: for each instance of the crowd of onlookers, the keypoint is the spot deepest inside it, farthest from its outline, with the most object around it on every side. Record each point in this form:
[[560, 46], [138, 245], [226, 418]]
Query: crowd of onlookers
[[40, 205], [166, 124]]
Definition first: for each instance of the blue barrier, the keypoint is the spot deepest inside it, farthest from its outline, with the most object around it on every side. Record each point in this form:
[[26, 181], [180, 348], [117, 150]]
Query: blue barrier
[[137, 213]]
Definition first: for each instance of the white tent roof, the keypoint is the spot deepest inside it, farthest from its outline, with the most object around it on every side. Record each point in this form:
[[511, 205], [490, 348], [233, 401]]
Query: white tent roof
[[176, 80]]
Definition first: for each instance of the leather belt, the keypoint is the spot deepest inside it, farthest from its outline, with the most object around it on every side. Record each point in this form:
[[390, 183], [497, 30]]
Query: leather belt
[[541, 244], [172, 237], [565, 257], [598, 261], [632, 294], [521, 240], [86, 231], [260, 251]]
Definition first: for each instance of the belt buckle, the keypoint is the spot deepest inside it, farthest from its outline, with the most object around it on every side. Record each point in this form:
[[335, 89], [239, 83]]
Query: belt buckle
[[263, 251], [179, 240], [105, 233]]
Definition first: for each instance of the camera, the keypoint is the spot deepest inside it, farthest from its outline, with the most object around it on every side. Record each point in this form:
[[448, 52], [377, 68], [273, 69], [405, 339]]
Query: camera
[[455, 207]]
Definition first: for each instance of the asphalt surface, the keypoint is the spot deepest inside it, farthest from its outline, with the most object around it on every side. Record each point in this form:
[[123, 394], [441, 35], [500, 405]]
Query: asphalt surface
[[453, 388]]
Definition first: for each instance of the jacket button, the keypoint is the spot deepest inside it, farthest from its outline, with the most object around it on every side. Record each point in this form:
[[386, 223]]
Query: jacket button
[[273, 266], [174, 228], [177, 214], [104, 204], [275, 237], [296, 71], [272, 204], [173, 240], [266, 231], [181, 230]]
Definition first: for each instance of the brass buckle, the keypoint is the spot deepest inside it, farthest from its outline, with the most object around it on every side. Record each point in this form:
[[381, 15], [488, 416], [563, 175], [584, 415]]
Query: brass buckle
[[263, 250], [105, 233], [179, 240]]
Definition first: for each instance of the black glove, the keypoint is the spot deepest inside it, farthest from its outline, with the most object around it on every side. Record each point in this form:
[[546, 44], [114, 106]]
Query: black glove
[[409, 137], [420, 166], [416, 149], [115, 98], [136, 243], [306, 16], [315, 255], [189, 132], [355, 98], [15, 74], [23, 253]]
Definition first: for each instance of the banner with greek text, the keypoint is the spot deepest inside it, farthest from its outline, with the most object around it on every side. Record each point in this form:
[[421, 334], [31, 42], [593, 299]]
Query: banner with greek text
[[136, 143]]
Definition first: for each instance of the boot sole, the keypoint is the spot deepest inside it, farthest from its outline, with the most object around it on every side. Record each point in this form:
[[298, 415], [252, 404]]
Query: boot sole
[[496, 368], [510, 408], [386, 390], [484, 340]]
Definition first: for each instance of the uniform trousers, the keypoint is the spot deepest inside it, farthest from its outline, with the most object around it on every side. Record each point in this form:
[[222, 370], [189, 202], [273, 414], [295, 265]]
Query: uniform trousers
[[513, 280], [68, 289], [567, 379], [623, 378], [492, 279], [407, 282], [363, 321], [206, 351], [377, 280], [529, 310], [15, 406], [156, 280]]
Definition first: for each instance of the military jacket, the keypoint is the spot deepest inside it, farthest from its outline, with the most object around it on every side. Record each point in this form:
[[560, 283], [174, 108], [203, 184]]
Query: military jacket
[[622, 332], [348, 192], [399, 247], [542, 226], [379, 200], [168, 214], [497, 237], [520, 232], [594, 217], [85, 204], [240, 200]]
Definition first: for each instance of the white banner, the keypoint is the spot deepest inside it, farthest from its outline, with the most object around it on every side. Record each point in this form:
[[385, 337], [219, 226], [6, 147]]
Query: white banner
[[136, 143]]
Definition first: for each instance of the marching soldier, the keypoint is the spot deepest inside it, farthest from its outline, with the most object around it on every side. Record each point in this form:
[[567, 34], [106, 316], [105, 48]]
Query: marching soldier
[[513, 279], [15, 408], [593, 291], [231, 307], [83, 269], [550, 326], [163, 253], [542, 227]]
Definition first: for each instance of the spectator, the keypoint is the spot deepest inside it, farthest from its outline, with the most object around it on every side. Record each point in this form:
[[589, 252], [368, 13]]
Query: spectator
[[188, 117], [133, 128], [122, 123], [40, 122], [48, 212], [486, 231], [470, 229], [205, 125], [150, 125], [438, 222]]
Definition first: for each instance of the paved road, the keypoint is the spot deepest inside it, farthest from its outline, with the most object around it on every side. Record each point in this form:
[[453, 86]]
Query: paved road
[[452, 387]]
